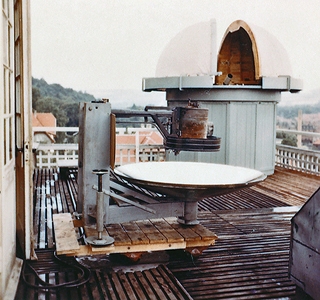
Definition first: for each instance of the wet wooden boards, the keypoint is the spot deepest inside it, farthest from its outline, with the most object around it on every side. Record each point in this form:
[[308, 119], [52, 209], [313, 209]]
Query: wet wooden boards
[[139, 236], [66, 239]]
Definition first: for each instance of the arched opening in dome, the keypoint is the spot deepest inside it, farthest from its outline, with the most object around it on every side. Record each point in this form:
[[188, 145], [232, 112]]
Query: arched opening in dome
[[238, 56]]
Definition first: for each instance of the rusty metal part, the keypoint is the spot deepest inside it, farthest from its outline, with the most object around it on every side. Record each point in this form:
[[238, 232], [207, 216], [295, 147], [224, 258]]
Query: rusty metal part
[[185, 130], [190, 122]]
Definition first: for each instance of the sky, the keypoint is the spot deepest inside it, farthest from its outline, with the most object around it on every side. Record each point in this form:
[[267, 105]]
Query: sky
[[98, 45]]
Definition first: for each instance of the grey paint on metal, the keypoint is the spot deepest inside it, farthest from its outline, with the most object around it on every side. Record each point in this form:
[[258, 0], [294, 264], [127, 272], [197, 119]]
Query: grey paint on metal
[[241, 134], [244, 120], [80, 159], [94, 153], [281, 83], [304, 264], [305, 271], [225, 93], [265, 137], [131, 213]]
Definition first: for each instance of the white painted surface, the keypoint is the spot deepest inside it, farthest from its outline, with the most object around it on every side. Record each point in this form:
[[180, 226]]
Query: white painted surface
[[189, 173], [189, 53]]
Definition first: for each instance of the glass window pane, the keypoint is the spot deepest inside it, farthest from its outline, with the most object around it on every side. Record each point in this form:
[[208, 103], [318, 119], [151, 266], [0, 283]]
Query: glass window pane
[[5, 40], [18, 132], [18, 97], [10, 138], [4, 92], [5, 141], [9, 93], [9, 45]]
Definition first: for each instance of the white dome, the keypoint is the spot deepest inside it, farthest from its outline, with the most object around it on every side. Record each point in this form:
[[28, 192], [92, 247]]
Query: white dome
[[191, 52], [188, 53]]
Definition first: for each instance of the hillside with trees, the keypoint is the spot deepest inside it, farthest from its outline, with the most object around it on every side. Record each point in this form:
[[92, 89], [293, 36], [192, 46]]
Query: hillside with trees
[[62, 102]]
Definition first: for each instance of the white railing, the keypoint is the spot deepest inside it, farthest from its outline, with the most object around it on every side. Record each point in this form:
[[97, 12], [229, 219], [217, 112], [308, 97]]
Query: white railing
[[298, 159], [297, 132], [126, 154], [48, 155]]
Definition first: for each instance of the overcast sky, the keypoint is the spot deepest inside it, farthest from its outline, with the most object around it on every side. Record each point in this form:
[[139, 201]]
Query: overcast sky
[[112, 44]]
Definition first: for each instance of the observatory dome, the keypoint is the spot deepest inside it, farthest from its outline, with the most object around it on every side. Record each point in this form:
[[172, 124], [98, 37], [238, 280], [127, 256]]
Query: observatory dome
[[248, 52]]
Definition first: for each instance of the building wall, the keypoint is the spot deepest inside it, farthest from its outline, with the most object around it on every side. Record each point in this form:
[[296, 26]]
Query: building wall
[[42, 138]]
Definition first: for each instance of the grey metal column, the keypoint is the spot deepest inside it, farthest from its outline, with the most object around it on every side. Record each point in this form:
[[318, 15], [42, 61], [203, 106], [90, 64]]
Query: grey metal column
[[94, 153]]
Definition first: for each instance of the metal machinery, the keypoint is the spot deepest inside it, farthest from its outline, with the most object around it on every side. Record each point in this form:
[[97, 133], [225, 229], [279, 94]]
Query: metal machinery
[[120, 198], [238, 90]]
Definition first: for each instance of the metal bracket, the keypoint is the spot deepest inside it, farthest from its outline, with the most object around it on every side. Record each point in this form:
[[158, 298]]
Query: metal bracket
[[116, 196]]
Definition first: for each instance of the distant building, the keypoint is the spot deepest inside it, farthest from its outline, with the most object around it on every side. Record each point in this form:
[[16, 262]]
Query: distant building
[[317, 144], [44, 120], [127, 143]]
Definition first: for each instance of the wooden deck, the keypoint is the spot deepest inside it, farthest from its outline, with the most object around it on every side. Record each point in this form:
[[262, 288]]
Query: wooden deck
[[131, 238], [248, 261]]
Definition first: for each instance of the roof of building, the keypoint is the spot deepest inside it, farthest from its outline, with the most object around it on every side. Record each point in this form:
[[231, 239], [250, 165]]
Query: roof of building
[[145, 138], [44, 120]]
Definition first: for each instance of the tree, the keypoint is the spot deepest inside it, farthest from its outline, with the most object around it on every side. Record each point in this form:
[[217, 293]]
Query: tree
[[35, 96], [289, 140], [55, 106], [72, 111]]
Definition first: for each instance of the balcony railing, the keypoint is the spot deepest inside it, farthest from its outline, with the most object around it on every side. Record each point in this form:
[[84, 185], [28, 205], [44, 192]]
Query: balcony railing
[[298, 159], [48, 155]]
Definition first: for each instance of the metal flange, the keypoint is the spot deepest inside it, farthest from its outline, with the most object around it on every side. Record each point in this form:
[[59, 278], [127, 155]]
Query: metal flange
[[104, 241]]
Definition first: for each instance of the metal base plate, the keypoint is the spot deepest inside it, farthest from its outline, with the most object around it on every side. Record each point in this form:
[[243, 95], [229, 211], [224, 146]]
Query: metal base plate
[[105, 241], [184, 222]]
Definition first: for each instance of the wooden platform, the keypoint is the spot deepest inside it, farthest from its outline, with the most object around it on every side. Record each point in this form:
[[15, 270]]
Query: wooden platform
[[132, 237]]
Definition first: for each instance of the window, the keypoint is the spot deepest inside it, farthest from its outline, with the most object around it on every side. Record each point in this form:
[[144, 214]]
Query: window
[[8, 109]]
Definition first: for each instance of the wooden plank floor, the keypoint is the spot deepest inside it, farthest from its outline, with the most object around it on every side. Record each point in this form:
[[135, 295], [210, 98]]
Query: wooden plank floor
[[248, 261], [132, 237], [153, 283]]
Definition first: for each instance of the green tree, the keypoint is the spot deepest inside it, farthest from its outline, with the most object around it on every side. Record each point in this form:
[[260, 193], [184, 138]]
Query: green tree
[[55, 106], [289, 140]]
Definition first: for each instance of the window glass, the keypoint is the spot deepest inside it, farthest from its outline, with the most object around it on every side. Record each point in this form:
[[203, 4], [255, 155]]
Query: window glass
[[8, 79], [9, 46], [4, 92], [5, 40], [5, 141], [10, 138]]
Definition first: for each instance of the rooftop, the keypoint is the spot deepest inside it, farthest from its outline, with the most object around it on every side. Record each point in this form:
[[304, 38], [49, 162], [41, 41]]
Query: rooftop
[[248, 261]]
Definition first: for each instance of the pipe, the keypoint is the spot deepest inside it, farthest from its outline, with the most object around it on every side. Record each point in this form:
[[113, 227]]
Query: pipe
[[227, 79]]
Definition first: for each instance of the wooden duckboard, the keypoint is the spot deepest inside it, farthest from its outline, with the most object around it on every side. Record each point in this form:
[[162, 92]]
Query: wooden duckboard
[[138, 236]]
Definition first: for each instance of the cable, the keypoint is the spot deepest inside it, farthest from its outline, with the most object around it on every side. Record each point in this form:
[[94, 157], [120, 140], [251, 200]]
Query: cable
[[85, 274]]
